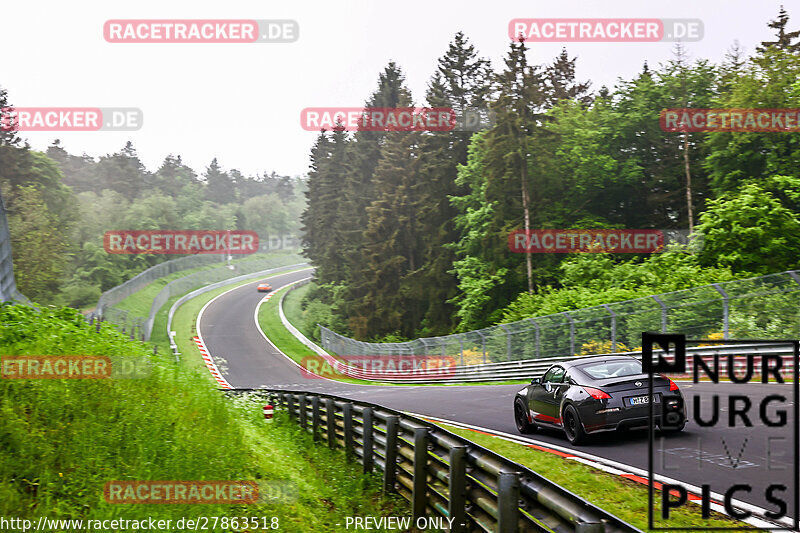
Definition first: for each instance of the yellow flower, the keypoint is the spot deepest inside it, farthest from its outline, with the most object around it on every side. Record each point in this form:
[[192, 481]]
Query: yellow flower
[[60, 474]]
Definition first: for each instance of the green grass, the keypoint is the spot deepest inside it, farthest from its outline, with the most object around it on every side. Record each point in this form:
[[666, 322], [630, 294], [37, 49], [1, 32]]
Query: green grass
[[62, 440], [291, 307], [624, 498]]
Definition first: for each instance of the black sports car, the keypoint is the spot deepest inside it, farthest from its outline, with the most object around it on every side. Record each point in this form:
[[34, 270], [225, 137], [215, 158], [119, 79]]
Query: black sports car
[[594, 394]]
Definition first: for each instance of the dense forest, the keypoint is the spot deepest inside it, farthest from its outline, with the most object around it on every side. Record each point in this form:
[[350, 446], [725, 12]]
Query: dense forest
[[59, 206], [409, 230]]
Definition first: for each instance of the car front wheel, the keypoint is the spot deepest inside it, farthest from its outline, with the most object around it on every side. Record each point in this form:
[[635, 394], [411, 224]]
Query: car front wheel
[[572, 426], [521, 417]]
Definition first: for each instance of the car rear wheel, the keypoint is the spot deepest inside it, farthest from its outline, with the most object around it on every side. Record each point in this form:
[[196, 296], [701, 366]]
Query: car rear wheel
[[521, 417], [572, 426]]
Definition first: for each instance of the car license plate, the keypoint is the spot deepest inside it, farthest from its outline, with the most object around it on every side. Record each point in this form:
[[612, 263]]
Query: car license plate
[[640, 400]]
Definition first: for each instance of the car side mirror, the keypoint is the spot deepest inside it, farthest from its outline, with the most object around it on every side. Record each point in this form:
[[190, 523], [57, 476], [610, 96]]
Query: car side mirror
[[536, 381]]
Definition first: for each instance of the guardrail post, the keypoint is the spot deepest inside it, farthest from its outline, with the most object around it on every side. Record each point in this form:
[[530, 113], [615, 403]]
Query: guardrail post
[[613, 327], [303, 414], [281, 400], [290, 405], [367, 439], [538, 336], [508, 502], [419, 498], [725, 309], [315, 417], [571, 332], [330, 422], [457, 489], [347, 412], [663, 313], [390, 472]]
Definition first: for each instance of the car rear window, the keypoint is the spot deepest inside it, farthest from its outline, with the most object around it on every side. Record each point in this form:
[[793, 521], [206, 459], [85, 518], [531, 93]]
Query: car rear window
[[612, 369]]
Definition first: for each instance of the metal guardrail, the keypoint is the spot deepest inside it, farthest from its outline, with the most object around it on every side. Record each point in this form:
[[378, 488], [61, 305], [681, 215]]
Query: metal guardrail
[[440, 473], [288, 325], [763, 307]]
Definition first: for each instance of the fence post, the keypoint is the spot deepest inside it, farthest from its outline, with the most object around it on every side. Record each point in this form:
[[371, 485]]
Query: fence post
[[367, 439], [347, 412], [303, 414], [424, 345], [315, 417], [725, 309], [538, 335], [613, 327], [508, 502], [508, 341], [663, 313], [419, 498], [457, 489], [461, 345], [571, 332], [330, 417], [390, 472], [483, 344]]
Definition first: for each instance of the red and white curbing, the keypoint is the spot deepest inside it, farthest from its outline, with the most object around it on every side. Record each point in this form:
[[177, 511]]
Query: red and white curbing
[[212, 367]]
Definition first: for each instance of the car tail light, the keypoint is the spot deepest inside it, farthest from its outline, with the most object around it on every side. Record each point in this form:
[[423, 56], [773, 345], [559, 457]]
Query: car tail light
[[672, 385], [597, 394]]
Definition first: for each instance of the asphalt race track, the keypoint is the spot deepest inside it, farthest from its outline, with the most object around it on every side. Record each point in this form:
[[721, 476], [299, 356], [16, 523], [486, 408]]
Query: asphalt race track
[[720, 456]]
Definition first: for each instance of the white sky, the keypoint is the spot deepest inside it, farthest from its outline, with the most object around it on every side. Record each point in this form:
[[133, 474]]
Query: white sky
[[242, 102]]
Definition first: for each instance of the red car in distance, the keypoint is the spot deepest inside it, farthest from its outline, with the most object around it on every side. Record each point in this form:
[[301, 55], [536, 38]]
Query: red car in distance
[[264, 287]]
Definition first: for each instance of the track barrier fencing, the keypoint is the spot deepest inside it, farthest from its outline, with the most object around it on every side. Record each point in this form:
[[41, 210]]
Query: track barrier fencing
[[441, 474]]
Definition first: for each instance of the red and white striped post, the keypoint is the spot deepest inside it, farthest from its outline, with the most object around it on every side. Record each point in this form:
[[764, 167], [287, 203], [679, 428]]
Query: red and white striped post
[[268, 410]]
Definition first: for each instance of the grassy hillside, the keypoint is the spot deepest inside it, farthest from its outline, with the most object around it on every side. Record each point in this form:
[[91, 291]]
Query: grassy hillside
[[62, 440]]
